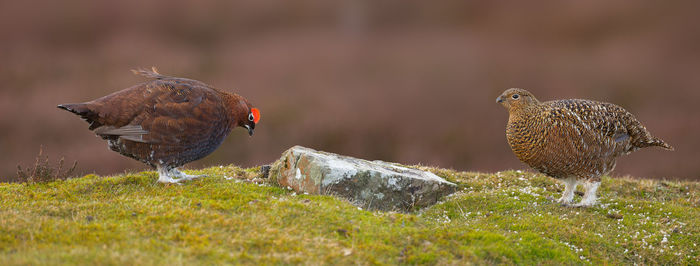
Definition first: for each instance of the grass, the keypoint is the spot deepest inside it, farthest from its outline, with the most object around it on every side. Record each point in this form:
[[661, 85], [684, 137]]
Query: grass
[[42, 171], [235, 217]]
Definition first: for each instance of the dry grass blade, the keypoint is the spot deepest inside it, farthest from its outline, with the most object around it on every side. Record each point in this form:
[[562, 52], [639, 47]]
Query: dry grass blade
[[42, 170]]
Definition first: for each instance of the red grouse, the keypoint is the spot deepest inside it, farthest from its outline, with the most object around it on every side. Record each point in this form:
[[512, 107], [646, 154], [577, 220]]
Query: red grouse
[[572, 140], [166, 122]]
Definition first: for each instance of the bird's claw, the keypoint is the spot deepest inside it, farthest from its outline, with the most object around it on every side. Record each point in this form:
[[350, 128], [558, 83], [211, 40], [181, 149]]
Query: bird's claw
[[174, 176], [184, 177], [170, 181], [564, 202]]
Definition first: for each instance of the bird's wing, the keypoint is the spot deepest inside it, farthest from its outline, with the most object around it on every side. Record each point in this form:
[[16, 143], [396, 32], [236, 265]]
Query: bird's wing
[[599, 127], [161, 111], [130, 132]]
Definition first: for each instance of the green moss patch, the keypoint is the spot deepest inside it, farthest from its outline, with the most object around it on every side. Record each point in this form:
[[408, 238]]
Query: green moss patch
[[233, 216]]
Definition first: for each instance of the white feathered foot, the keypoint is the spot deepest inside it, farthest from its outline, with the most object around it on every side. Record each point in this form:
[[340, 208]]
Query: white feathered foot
[[589, 198], [173, 176], [569, 186]]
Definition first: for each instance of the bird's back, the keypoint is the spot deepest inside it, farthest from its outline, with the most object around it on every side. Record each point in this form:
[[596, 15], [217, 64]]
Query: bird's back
[[576, 138], [611, 122]]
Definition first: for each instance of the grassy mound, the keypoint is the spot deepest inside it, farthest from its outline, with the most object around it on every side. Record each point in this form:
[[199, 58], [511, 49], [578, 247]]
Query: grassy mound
[[232, 216]]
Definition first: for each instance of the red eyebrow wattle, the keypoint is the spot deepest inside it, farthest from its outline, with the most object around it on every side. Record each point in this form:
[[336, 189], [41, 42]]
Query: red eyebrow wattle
[[256, 115]]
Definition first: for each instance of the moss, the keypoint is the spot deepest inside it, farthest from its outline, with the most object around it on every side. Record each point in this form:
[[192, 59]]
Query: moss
[[234, 216]]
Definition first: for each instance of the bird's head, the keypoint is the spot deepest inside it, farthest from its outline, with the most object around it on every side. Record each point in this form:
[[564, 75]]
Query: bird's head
[[244, 113], [516, 99], [251, 119]]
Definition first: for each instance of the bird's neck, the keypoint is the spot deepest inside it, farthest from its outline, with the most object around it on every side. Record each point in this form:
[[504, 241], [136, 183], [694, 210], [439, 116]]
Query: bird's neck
[[237, 108], [522, 113]]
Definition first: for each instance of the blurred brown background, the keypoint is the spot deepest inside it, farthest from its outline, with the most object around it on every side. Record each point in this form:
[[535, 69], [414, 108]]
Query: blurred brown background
[[405, 81]]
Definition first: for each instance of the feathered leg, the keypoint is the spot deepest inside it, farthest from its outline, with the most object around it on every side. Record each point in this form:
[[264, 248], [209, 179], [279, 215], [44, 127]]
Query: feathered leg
[[164, 175], [589, 199], [569, 187], [182, 176]]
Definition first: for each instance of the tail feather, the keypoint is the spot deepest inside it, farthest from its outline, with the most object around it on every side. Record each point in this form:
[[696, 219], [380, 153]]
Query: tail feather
[[84, 111], [641, 137], [660, 143], [653, 142], [76, 108]]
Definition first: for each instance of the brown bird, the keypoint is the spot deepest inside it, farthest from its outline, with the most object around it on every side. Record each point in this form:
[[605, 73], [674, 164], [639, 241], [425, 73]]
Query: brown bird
[[166, 122], [572, 140]]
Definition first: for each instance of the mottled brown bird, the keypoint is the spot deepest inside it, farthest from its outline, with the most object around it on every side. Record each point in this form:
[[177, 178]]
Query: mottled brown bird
[[166, 122], [572, 140]]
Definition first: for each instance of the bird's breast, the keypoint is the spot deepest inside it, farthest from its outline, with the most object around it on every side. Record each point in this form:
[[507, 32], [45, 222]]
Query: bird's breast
[[524, 139]]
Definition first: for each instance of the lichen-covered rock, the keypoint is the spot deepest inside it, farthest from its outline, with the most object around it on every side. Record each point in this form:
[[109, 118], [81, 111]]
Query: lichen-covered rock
[[371, 185]]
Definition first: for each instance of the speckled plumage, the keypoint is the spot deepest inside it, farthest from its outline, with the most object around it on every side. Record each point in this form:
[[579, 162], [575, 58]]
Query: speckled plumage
[[167, 122], [573, 140]]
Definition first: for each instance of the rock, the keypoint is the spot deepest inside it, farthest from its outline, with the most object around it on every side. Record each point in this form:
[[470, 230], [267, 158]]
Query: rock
[[372, 185]]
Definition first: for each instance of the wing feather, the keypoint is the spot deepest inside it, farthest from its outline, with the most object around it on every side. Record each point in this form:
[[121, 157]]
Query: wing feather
[[169, 110]]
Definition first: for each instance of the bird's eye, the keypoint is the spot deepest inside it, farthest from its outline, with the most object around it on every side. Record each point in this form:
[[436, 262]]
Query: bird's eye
[[515, 96], [251, 117]]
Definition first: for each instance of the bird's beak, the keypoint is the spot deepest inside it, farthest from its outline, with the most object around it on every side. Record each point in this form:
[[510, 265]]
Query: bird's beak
[[499, 99], [250, 130]]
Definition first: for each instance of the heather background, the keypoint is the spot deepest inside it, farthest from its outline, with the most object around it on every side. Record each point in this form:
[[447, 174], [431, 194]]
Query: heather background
[[405, 81]]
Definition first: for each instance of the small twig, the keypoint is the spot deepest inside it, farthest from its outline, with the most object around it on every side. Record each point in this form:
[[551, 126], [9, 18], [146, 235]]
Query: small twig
[[42, 170]]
